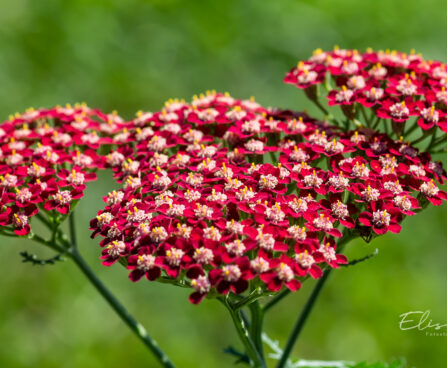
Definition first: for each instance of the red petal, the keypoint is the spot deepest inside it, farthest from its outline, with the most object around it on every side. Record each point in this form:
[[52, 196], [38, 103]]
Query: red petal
[[395, 228], [293, 285], [136, 275], [196, 298]]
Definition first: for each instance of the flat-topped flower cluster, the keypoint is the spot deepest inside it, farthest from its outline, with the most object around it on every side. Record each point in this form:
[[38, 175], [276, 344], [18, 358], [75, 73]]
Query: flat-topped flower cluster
[[394, 85], [222, 194], [46, 158]]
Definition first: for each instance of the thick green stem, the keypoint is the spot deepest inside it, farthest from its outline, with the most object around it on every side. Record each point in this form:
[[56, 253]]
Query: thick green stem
[[297, 328], [256, 359], [72, 225], [256, 327], [299, 324], [127, 318]]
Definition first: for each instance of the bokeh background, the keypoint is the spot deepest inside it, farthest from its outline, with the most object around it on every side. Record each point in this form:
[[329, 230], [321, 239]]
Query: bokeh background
[[130, 55]]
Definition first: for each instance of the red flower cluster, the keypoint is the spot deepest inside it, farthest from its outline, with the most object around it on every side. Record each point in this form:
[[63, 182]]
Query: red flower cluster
[[47, 156], [219, 193], [396, 86]]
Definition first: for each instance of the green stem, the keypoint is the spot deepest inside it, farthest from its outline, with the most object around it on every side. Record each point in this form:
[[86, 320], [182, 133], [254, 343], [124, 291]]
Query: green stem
[[430, 144], [72, 225], [299, 324], [362, 109], [256, 327], [376, 123], [411, 129], [360, 260], [347, 124], [71, 250], [302, 319], [320, 106], [273, 158], [245, 318], [440, 140], [255, 294], [443, 150], [127, 318], [241, 329], [420, 139], [44, 220], [48, 244], [276, 299], [56, 233], [387, 128]]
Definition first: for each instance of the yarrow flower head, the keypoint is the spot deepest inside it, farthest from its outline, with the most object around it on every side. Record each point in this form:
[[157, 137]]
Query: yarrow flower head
[[46, 158], [395, 86], [218, 217]]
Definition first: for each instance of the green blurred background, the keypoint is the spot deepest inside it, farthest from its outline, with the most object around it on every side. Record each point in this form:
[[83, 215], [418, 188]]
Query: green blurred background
[[131, 54]]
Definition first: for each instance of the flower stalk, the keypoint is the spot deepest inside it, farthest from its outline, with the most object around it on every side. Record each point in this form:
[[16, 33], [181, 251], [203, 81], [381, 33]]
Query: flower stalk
[[298, 327], [256, 327], [256, 359], [136, 327], [60, 244]]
